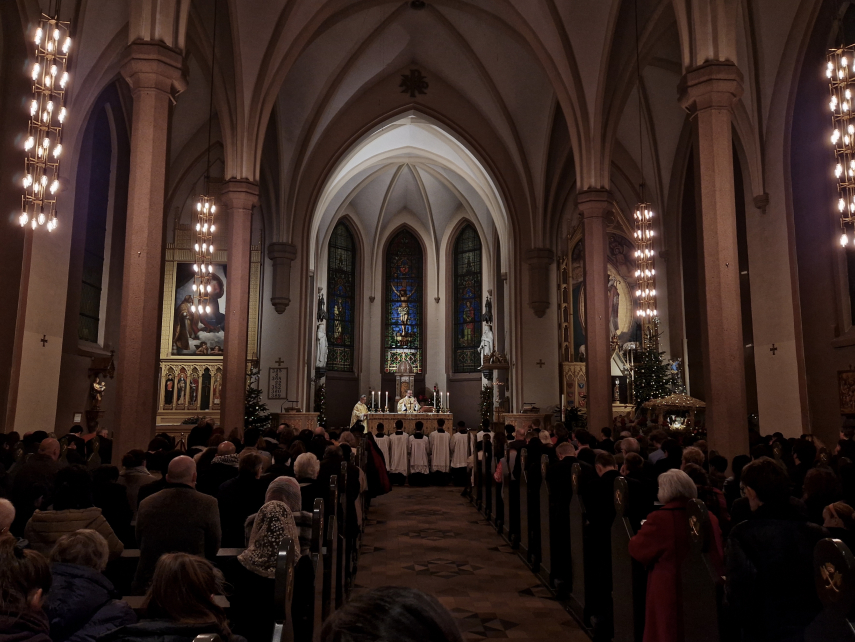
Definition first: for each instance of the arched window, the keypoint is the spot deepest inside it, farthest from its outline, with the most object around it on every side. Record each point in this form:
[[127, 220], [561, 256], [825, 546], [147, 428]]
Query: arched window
[[467, 300], [341, 289], [403, 319]]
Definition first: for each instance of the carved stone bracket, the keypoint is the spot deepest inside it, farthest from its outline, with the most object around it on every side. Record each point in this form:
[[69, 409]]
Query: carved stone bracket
[[281, 254], [539, 259]]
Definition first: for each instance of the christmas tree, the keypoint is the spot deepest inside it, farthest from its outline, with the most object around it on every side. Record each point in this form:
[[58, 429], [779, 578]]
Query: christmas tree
[[255, 414], [487, 403], [651, 377], [321, 404]]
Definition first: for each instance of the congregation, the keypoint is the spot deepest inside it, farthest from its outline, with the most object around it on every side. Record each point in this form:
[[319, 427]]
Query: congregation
[[205, 520]]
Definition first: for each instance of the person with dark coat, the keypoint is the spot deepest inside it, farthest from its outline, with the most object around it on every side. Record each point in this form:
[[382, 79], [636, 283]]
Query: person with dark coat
[[331, 465], [223, 468], [164, 460], [181, 603], [25, 580], [375, 468], [673, 457], [641, 489], [769, 591], [731, 488], [306, 468], [559, 479], [804, 455], [112, 498], [606, 443], [239, 498], [662, 544], [182, 504], [32, 484], [81, 605]]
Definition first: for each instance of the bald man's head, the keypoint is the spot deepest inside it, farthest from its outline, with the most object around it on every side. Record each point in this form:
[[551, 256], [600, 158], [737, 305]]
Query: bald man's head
[[7, 516], [49, 447], [182, 470], [225, 448]]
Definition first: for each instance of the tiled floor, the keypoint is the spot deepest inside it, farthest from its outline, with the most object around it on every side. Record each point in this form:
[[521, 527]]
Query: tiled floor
[[434, 540]]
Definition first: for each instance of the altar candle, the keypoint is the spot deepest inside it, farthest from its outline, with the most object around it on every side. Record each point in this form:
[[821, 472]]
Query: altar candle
[[440, 401], [448, 402], [387, 398], [562, 402]]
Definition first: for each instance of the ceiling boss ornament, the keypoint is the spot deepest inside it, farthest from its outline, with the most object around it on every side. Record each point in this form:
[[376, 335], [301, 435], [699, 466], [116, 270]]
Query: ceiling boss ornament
[[43, 144], [839, 72], [414, 83]]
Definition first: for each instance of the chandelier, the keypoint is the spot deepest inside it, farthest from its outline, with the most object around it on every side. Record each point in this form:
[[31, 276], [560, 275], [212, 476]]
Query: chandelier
[[840, 83], [645, 272], [205, 209], [43, 145]]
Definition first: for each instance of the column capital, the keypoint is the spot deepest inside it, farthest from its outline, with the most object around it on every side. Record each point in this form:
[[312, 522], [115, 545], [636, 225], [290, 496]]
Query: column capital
[[539, 256], [281, 250], [154, 66], [712, 85], [239, 194], [595, 203]]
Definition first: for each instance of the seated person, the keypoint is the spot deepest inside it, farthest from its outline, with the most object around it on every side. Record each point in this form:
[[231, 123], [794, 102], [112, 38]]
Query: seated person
[[25, 581], [306, 469]]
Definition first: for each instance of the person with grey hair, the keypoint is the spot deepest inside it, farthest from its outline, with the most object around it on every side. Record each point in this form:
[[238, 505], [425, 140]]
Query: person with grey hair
[[662, 545], [306, 469], [80, 604], [7, 516]]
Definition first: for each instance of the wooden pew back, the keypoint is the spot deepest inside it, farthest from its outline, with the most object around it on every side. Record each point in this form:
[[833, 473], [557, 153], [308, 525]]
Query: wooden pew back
[[283, 627]]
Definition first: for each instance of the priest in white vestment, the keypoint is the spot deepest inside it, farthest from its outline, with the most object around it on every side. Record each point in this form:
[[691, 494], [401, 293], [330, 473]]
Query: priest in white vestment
[[459, 455], [408, 403], [382, 441], [440, 454], [419, 448], [360, 411], [399, 444]]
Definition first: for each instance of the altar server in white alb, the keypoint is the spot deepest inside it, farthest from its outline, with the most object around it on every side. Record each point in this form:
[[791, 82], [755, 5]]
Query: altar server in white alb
[[439, 454], [399, 446], [408, 403], [459, 455], [382, 441], [419, 457]]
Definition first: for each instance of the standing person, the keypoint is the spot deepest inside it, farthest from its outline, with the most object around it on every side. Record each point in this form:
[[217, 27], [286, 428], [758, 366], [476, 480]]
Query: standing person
[[606, 443], [398, 451], [223, 468], [459, 455], [439, 454], [375, 469], [25, 580], [381, 439], [419, 452], [32, 484], [360, 411], [408, 403], [180, 504]]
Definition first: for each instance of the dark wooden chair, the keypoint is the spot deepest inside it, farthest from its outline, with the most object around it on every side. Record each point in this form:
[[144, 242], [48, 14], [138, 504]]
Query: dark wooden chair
[[283, 624], [344, 540], [629, 578], [577, 547], [546, 517], [498, 503], [330, 554], [701, 584], [834, 571], [487, 476], [478, 473]]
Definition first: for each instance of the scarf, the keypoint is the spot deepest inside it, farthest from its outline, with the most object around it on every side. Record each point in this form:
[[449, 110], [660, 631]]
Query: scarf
[[228, 460], [286, 489], [273, 524]]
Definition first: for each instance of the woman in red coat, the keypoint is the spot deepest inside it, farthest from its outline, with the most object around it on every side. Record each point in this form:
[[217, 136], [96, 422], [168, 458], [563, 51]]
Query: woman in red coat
[[661, 545]]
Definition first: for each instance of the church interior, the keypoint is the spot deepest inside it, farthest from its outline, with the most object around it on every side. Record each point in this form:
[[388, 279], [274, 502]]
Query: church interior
[[631, 215]]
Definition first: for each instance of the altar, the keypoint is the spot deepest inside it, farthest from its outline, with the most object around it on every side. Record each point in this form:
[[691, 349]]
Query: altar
[[525, 420], [388, 420]]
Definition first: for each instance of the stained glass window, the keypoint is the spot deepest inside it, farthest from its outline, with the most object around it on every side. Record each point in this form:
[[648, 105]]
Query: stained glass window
[[341, 292], [467, 301], [404, 286]]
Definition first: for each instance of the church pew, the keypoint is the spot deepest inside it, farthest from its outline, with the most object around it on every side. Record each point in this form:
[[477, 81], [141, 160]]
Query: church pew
[[546, 516], [534, 478], [524, 514], [343, 543], [330, 554], [487, 477], [283, 627], [121, 570], [498, 503], [506, 495], [477, 473], [629, 578], [513, 505], [577, 548], [834, 571], [700, 581], [307, 603]]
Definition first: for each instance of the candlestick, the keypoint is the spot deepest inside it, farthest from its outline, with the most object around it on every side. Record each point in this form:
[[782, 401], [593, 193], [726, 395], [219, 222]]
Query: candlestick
[[440, 401], [387, 401], [447, 402], [563, 406]]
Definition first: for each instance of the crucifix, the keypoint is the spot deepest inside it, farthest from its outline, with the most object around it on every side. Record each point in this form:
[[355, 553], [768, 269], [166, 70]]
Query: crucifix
[[540, 363], [279, 362], [44, 340], [773, 349]]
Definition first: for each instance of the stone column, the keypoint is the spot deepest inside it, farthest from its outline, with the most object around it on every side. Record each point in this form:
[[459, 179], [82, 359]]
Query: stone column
[[709, 92], [539, 259], [596, 207], [237, 198], [155, 73], [281, 255]]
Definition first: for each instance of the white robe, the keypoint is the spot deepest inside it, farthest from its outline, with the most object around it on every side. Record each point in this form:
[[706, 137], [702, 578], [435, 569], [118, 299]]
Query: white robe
[[383, 446], [408, 404], [439, 451], [459, 450], [398, 447], [419, 458], [478, 439]]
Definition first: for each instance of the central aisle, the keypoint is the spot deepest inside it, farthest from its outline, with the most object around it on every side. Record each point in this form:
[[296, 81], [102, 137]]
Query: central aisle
[[434, 540]]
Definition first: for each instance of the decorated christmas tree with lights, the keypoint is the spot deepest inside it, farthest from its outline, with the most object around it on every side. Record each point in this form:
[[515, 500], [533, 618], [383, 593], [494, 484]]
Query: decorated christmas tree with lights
[[255, 414], [652, 378]]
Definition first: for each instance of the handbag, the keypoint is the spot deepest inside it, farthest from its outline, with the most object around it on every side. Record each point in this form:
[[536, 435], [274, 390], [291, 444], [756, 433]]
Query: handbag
[[497, 476]]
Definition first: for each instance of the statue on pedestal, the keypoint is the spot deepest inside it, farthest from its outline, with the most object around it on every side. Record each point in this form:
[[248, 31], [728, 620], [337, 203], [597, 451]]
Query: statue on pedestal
[[97, 392], [321, 358], [486, 347]]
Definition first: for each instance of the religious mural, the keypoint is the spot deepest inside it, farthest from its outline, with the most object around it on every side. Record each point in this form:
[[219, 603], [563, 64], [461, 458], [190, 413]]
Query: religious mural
[[404, 287], [467, 301], [341, 287], [621, 297], [194, 332]]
